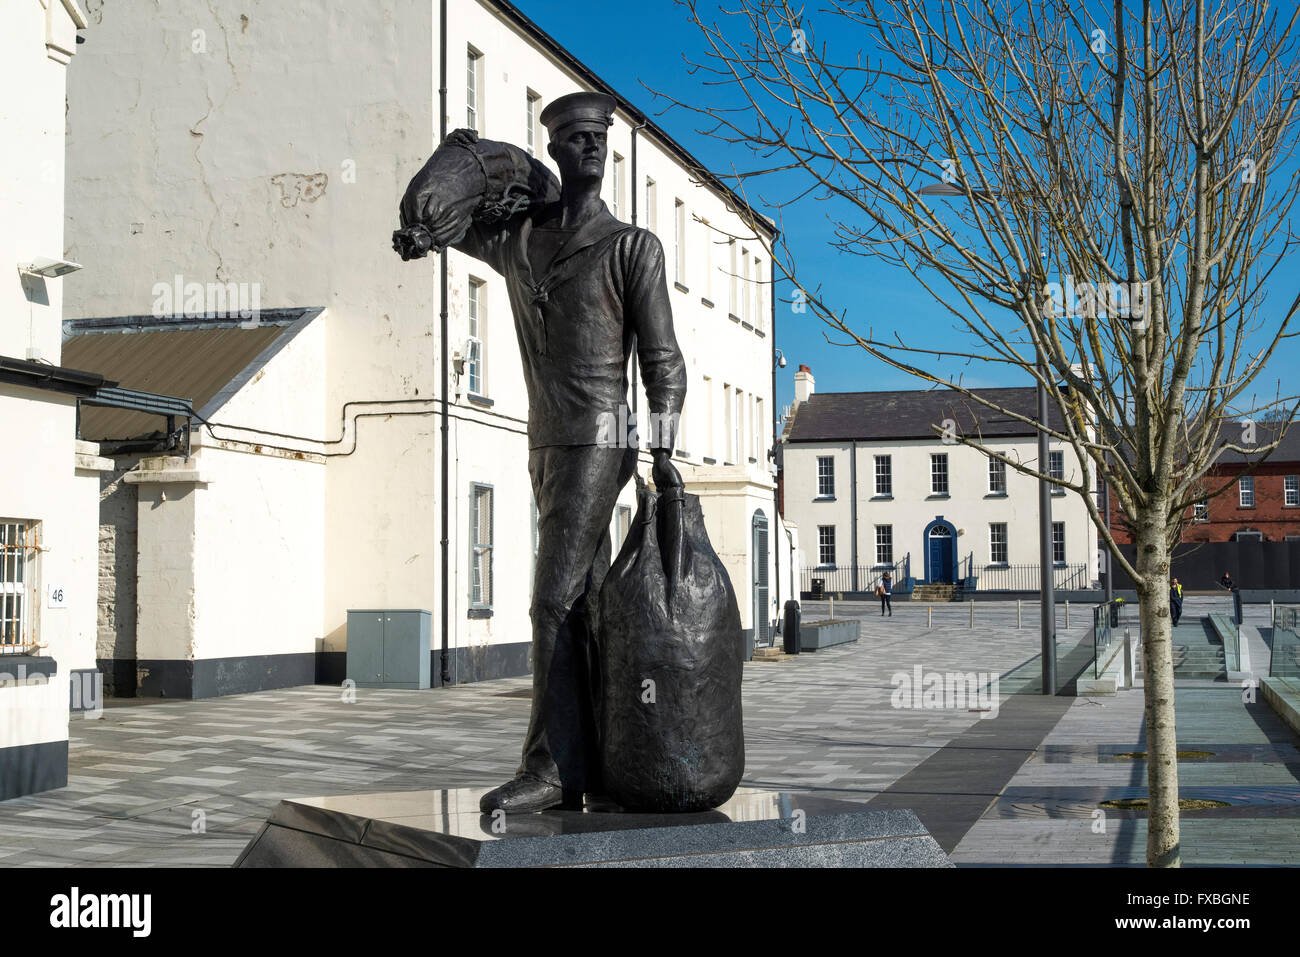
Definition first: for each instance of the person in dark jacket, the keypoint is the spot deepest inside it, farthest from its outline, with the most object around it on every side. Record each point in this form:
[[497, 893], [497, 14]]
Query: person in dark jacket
[[1227, 582], [885, 590], [1175, 601]]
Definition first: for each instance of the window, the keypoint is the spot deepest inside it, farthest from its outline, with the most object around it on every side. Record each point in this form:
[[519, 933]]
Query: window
[[939, 473], [709, 418], [1058, 543], [738, 439], [884, 545], [618, 186], [474, 357], [760, 431], [480, 536], [733, 303], [998, 543], [19, 547], [651, 206], [1201, 511], [708, 261], [997, 477], [1246, 491], [622, 524], [757, 318], [679, 239], [826, 544], [743, 311], [1291, 490], [1249, 535], [825, 476], [1056, 469], [530, 122], [884, 475], [728, 414], [474, 90]]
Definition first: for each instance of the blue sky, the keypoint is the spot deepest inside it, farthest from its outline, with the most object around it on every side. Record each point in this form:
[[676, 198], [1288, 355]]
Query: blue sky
[[638, 45]]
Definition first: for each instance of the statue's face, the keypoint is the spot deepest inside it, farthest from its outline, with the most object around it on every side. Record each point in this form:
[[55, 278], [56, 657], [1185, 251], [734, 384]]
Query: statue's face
[[580, 152]]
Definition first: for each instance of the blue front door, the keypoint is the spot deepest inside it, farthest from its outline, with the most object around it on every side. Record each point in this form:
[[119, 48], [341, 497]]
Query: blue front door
[[940, 555]]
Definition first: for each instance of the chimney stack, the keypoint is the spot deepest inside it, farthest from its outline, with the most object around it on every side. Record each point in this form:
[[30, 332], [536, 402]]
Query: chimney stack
[[803, 385]]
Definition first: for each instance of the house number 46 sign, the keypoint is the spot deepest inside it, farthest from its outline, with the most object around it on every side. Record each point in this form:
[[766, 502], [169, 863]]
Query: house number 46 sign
[[58, 597]]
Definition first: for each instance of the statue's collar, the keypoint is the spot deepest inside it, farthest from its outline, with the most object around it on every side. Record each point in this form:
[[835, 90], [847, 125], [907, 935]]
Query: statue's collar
[[595, 229]]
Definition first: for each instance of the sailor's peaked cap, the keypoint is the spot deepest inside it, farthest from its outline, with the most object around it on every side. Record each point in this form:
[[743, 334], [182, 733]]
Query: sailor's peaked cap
[[597, 108]]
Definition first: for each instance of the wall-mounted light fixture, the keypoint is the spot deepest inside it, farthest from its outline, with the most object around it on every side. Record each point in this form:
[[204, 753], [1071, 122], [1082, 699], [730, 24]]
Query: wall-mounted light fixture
[[48, 268]]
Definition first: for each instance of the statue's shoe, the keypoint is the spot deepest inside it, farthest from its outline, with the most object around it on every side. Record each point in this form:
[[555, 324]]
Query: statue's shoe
[[525, 793]]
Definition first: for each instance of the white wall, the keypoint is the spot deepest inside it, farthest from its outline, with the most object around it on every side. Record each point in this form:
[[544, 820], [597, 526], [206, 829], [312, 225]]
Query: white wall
[[262, 196]]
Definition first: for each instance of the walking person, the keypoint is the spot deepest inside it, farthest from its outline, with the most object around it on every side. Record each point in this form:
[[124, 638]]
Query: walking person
[[884, 590], [1175, 601]]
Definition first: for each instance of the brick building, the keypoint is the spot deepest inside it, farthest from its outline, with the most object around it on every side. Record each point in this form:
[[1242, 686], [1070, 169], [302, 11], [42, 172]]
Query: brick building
[[1261, 504]]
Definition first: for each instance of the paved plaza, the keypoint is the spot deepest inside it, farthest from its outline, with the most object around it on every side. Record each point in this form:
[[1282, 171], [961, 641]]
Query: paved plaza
[[188, 783]]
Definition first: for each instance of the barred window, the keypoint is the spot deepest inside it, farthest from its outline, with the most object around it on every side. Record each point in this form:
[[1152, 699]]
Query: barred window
[[826, 544], [884, 545], [997, 476], [939, 473], [998, 543], [825, 475], [884, 475], [18, 550], [480, 531]]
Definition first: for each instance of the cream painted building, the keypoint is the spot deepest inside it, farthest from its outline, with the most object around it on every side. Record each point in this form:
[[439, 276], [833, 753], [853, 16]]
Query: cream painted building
[[49, 486], [256, 156], [873, 486]]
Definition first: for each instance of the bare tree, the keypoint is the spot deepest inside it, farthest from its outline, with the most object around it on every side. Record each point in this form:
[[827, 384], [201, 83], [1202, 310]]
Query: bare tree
[[1097, 193]]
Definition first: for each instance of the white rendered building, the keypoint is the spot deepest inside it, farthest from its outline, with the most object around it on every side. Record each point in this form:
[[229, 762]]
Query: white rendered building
[[257, 156], [49, 488], [872, 484]]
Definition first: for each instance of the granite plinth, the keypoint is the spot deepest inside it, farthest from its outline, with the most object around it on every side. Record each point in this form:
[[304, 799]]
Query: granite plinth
[[444, 828]]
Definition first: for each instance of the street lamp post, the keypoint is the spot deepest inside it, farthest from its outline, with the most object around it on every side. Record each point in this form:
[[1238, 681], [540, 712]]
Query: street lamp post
[[1046, 585]]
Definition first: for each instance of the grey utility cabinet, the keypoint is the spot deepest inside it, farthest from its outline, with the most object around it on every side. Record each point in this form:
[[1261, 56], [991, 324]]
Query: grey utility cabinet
[[389, 648]]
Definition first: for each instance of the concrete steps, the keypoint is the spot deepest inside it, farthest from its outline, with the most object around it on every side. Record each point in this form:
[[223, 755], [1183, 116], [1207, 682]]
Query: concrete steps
[[934, 594]]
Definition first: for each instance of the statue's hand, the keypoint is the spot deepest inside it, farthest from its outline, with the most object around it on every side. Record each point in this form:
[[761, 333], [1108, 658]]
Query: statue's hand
[[665, 473]]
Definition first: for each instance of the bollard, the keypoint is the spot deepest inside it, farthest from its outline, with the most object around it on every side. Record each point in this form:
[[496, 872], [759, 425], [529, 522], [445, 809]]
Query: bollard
[[1017, 612], [790, 630], [929, 617], [1067, 614], [972, 612], [832, 614]]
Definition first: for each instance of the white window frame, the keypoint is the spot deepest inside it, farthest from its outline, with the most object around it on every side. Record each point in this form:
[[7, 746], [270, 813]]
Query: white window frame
[[885, 545], [652, 205], [997, 477], [1056, 469], [1246, 491], [823, 544], [938, 471], [480, 552], [887, 474], [531, 128], [1201, 510], [476, 357], [474, 89], [1058, 543], [996, 528], [1291, 490], [622, 525], [679, 240], [1248, 534], [734, 296], [19, 579], [825, 472], [618, 186]]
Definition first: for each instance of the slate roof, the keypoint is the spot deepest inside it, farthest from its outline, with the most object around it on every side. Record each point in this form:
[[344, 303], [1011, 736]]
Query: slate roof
[[912, 414], [1265, 432]]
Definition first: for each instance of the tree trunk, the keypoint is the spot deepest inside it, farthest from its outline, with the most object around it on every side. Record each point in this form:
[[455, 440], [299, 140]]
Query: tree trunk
[[1158, 664]]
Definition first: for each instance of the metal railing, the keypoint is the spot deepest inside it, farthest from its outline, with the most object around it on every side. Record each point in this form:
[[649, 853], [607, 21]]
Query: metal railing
[[841, 578], [1284, 662], [1073, 576]]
